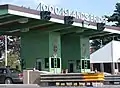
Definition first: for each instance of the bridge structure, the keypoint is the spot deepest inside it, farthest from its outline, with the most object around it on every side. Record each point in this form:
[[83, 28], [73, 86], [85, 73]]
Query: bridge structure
[[51, 44]]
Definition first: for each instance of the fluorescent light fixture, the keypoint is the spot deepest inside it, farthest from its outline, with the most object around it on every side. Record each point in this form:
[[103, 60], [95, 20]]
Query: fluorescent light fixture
[[24, 30], [23, 20]]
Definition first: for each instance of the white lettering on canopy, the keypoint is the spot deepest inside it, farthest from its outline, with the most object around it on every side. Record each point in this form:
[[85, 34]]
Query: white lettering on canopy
[[66, 12]]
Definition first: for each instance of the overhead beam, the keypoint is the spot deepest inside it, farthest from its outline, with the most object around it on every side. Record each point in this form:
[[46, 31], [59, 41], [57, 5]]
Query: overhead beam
[[70, 30], [105, 35], [5, 16], [99, 35], [56, 27], [32, 23], [9, 19]]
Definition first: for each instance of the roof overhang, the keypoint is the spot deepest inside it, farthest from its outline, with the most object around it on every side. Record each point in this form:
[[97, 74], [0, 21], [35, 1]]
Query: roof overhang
[[7, 11]]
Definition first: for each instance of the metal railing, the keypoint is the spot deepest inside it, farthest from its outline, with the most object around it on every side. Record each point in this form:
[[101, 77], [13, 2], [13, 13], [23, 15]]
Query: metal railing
[[71, 78], [112, 78]]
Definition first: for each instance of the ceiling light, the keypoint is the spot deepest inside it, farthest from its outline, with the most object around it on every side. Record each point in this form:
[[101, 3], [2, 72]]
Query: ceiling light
[[23, 20]]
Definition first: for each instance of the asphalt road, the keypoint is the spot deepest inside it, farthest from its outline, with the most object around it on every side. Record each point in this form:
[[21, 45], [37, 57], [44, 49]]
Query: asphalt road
[[36, 86], [105, 86]]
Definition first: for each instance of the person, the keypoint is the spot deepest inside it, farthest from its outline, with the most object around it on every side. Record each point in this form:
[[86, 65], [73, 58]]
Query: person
[[95, 70]]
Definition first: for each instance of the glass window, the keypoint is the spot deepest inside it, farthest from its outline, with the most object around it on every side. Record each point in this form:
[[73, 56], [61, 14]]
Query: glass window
[[46, 62], [58, 62], [52, 62], [14, 71], [86, 64], [83, 64], [55, 62], [1, 71]]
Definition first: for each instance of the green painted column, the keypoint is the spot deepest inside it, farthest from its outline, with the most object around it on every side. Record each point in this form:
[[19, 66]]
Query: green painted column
[[85, 54], [74, 49], [84, 44], [37, 45], [34, 45], [70, 52], [54, 42]]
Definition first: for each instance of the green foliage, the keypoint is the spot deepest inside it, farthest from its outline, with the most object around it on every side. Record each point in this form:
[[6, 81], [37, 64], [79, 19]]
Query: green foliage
[[115, 17], [12, 61]]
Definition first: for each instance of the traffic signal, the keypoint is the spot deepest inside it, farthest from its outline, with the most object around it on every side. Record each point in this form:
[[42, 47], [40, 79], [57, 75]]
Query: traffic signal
[[45, 15], [23, 64], [68, 20], [100, 26]]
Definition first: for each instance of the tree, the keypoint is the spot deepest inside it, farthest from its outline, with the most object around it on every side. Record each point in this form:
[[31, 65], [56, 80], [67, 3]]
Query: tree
[[13, 44], [115, 17]]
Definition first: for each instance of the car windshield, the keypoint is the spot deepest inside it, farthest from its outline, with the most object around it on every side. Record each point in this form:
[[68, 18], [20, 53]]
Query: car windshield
[[15, 71]]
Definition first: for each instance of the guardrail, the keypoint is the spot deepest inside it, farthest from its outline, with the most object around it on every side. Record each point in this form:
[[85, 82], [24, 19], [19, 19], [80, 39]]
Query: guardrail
[[112, 79], [72, 79], [69, 79]]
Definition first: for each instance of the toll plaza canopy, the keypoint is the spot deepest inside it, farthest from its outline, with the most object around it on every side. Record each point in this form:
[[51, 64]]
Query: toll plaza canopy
[[11, 20], [38, 37]]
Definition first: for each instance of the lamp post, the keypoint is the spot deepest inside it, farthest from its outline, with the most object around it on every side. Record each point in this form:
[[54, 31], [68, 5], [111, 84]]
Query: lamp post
[[5, 50]]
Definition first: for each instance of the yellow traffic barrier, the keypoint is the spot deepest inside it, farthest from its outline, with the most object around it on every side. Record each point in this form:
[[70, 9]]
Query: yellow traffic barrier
[[93, 77]]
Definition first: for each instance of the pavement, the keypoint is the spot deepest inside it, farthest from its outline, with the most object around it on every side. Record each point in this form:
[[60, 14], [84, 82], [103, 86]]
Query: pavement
[[105, 86], [19, 86], [36, 86]]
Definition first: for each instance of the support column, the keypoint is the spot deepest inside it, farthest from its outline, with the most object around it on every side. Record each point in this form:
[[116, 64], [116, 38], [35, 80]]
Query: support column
[[74, 49], [54, 44], [70, 52], [84, 44], [37, 45], [85, 54], [102, 67], [34, 47], [113, 68]]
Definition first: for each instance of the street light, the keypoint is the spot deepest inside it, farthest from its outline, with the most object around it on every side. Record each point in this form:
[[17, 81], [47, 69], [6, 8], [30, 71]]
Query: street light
[[5, 50]]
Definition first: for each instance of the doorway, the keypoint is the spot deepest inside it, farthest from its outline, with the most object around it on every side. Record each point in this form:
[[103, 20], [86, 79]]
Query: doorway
[[39, 64], [71, 67]]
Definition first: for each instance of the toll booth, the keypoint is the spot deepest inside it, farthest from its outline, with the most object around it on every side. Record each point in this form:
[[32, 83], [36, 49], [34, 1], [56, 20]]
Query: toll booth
[[55, 64], [85, 65], [52, 64], [41, 31]]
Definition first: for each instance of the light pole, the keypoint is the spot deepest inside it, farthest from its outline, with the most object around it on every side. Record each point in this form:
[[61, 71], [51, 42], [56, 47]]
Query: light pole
[[5, 50]]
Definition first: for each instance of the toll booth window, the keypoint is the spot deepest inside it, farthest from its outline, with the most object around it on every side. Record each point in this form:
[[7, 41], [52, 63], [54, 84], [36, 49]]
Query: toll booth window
[[52, 62], [88, 64], [58, 62], [83, 64], [46, 62]]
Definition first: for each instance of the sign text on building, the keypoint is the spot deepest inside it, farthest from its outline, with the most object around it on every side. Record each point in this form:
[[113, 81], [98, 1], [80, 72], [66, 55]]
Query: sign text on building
[[66, 12]]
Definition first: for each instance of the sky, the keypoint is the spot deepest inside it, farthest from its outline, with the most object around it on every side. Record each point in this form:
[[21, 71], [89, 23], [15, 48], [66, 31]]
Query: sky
[[96, 7]]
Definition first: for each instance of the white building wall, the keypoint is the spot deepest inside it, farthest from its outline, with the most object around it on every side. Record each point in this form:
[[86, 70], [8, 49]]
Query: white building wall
[[103, 55], [116, 51]]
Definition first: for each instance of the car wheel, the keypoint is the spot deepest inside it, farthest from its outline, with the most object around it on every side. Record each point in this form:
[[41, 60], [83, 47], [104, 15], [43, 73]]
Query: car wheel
[[8, 81]]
